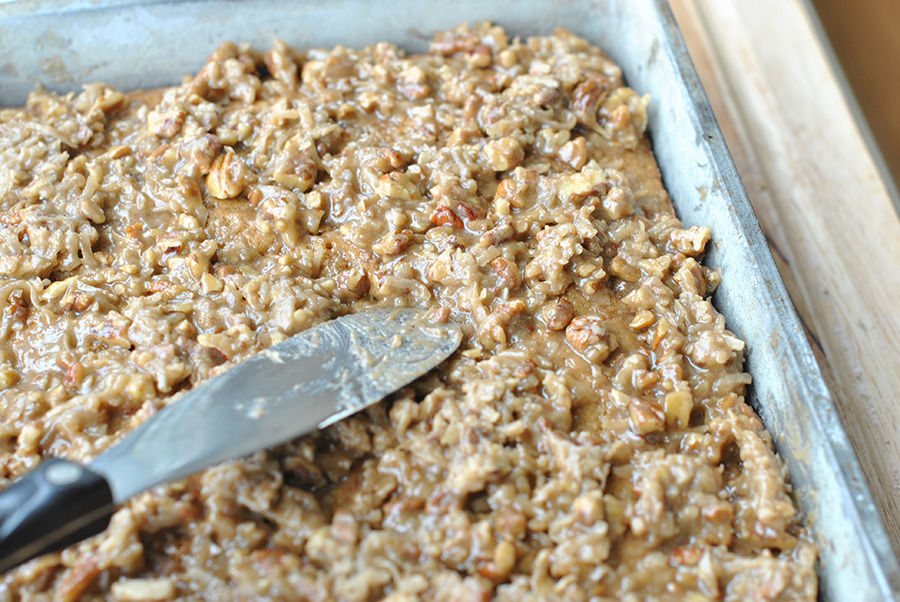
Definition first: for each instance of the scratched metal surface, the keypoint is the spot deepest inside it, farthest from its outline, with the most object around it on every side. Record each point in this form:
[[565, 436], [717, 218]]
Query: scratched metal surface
[[148, 43]]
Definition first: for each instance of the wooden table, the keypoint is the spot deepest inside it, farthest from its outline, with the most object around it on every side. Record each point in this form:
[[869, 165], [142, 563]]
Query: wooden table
[[822, 204]]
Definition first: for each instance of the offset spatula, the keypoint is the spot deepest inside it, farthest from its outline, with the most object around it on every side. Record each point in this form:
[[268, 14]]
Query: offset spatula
[[309, 381]]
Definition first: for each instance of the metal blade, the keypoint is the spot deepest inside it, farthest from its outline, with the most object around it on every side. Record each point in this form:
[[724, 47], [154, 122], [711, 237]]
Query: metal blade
[[309, 381]]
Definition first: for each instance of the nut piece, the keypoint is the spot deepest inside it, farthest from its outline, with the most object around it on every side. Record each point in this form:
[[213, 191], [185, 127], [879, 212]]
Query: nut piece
[[210, 284], [588, 507], [143, 590], [443, 216], [557, 314], [413, 83], [586, 99], [690, 277], [646, 417], [8, 376], [75, 301], [353, 284], [574, 152], [480, 57], [618, 203], [202, 151], [587, 335], [576, 187], [493, 329], [502, 562], [642, 320], [393, 157], [504, 154], [396, 185], [691, 242], [679, 404], [508, 272], [392, 243], [295, 170], [167, 124], [498, 235], [344, 526], [228, 176], [623, 270], [685, 555]]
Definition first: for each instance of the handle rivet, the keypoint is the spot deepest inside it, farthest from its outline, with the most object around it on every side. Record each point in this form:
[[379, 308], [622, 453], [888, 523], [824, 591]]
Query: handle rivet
[[63, 474]]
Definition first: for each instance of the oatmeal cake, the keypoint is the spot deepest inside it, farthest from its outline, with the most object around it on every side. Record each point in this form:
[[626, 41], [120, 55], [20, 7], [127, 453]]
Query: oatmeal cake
[[589, 441]]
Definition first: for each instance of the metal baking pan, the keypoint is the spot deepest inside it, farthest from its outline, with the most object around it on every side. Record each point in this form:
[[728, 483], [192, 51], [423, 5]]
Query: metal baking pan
[[149, 43]]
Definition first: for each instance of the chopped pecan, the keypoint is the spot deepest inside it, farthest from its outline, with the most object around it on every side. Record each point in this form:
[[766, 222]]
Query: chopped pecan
[[574, 152], [481, 56], [344, 526], [393, 157], [77, 579], [623, 270], [679, 404], [448, 43], [498, 235], [618, 203], [166, 124], [586, 100], [691, 241], [295, 170], [413, 83], [493, 330], [646, 417], [281, 63], [558, 314], [17, 308], [228, 176], [504, 154], [442, 216], [685, 555], [202, 151], [502, 562], [508, 271], [392, 243], [353, 284], [588, 336], [143, 590]]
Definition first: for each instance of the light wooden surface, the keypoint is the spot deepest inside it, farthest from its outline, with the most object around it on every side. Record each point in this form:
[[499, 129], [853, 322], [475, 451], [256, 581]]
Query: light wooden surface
[[821, 203], [866, 37]]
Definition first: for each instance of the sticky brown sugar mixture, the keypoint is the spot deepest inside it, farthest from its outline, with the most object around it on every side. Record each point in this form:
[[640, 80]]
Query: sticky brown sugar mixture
[[589, 440]]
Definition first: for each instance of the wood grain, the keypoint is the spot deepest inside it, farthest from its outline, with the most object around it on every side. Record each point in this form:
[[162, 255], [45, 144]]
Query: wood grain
[[866, 38], [822, 205]]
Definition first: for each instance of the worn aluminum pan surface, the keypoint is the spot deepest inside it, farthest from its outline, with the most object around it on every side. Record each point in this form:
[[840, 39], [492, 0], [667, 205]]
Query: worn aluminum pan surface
[[148, 43]]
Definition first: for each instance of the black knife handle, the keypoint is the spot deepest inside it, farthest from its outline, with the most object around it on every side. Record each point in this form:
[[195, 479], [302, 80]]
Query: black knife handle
[[57, 504]]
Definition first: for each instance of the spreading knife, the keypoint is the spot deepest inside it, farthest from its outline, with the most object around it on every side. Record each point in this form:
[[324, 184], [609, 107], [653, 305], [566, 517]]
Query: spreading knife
[[309, 381]]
